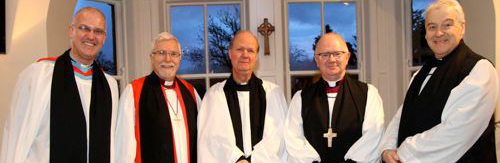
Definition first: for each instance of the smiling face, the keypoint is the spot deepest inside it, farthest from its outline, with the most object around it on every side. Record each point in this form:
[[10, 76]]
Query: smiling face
[[87, 34], [243, 53], [331, 56], [165, 59], [443, 30]]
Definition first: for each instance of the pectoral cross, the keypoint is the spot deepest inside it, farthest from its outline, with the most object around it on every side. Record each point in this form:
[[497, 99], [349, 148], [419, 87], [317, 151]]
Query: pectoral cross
[[330, 135], [177, 119], [265, 29]]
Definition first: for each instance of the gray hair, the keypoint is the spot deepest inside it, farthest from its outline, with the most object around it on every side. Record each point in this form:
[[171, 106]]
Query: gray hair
[[447, 3], [164, 36]]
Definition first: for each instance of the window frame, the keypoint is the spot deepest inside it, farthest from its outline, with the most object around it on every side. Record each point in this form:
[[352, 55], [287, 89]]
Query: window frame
[[361, 71], [167, 27]]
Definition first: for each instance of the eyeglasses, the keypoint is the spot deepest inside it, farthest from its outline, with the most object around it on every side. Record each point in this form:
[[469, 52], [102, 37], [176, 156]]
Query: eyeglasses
[[336, 55], [86, 29], [164, 53]]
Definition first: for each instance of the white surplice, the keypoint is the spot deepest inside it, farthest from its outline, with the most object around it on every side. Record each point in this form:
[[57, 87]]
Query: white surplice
[[465, 116], [125, 134], [26, 134], [216, 138], [364, 150]]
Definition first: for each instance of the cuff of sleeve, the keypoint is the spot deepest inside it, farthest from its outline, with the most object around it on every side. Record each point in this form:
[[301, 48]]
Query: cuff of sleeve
[[406, 156]]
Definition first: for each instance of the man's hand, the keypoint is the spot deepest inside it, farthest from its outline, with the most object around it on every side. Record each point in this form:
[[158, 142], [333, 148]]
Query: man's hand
[[243, 161], [391, 156]]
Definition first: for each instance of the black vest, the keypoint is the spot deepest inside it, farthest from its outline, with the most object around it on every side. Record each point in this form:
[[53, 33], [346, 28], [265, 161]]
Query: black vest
[[423, 111], [347, 119]]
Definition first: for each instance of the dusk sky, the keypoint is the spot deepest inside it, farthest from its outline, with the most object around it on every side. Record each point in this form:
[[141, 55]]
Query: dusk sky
[[304, 24], [187, 24]]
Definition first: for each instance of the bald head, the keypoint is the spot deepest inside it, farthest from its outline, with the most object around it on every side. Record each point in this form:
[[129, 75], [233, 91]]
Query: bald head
[[328, 37], [86, 10], [331, 56], [244, 33]]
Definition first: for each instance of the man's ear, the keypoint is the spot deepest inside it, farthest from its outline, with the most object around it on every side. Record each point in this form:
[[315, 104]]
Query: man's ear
[[463, 28]]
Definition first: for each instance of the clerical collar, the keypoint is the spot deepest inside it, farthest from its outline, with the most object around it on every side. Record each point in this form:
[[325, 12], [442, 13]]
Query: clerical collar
[[168, 84], [80, 65], [333, 83], [333, 86], [244, 83]]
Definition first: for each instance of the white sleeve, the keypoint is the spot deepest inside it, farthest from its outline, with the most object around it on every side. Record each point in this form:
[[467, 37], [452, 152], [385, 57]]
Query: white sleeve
[[390, 139], [365, 150], [198, 100], [298, 148], [272, 147], [28, 105], [125, 128], [466, 115], [216, 142]]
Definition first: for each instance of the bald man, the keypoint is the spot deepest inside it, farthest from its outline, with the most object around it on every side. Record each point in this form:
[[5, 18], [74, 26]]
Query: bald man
[[241, 119], [337, 119], [63, 108]]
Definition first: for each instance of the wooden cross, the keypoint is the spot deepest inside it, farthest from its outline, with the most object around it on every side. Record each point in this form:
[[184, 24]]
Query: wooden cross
[[330, 135], [265, 29]]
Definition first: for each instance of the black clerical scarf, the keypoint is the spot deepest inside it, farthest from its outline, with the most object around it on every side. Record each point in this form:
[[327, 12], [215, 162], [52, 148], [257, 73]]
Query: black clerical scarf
[[156, 140], [347, 117], [422, 111], [257, 108], [68, 129]]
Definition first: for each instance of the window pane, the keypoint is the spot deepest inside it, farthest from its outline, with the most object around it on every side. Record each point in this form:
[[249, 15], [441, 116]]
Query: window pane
[[199, 85], [304, 25], [187, 25], [421, 51], [216, 80], [223, 21], [341, 18], [107, 55]]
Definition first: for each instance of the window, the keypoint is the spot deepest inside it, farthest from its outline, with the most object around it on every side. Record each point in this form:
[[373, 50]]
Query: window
[[421, 51], [111, 56], [418, 52], [306, 22], [204, 31]]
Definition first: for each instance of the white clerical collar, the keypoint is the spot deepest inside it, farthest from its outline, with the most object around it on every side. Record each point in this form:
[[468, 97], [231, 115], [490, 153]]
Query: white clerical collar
[[332, 83], [168, 83], [81, 64], [244, 83]]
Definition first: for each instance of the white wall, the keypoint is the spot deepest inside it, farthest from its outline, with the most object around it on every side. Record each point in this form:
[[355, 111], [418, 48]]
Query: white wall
[[496, 5], [26, 42], [479, 28]]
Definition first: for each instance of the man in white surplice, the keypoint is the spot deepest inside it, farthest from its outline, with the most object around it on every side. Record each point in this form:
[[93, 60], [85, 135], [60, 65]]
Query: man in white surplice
[[337, 119], [447, 114], [63, 108], [241, 119]]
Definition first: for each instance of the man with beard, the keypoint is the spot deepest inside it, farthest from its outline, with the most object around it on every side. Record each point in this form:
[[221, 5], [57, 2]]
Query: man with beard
[[158, 113]]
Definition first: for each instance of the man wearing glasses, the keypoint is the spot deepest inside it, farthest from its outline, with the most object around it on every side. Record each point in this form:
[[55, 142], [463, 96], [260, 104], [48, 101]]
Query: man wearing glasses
[[158, 113], [63, 109], [337, 119]]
